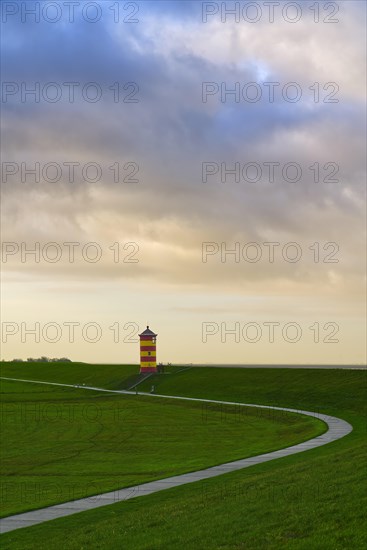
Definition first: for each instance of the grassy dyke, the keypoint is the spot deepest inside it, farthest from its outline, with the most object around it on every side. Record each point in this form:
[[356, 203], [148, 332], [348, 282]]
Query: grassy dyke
[[60, 444], [313, 500], [104, 376]]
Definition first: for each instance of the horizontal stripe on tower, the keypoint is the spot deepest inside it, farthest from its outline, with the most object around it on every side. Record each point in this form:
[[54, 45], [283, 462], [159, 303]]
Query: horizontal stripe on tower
[[147, 348], [148, 360], [146, 354], [148, 369], [147, 338], [148, 344]]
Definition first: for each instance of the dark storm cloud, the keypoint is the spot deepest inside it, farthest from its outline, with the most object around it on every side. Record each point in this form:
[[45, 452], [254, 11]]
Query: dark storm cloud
[[170, 133]]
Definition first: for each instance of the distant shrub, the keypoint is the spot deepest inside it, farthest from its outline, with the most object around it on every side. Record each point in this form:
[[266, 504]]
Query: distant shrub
[[44, 359]]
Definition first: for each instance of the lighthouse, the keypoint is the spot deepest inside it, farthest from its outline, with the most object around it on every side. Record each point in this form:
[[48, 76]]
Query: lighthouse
[[148, 359]]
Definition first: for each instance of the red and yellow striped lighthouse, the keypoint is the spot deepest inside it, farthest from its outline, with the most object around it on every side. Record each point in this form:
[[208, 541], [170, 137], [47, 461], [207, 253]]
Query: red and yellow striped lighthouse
[[148, 359]]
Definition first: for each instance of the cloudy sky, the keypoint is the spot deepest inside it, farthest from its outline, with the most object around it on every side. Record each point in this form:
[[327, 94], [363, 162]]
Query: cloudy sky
[[193, 170]]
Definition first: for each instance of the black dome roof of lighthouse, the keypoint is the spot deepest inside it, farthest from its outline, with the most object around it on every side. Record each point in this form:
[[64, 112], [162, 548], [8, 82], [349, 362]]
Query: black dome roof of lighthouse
[[148, 332]]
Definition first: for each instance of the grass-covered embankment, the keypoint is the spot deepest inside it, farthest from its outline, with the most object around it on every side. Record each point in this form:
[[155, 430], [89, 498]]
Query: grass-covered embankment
[[313, 500], [61, 444]]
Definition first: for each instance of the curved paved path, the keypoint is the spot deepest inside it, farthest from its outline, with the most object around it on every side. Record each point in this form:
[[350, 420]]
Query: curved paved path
[[337, 429]]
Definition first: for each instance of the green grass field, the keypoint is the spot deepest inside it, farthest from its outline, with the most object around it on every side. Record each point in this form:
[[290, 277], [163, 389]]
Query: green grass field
[[66, 443], [104, 376], [313, 500]]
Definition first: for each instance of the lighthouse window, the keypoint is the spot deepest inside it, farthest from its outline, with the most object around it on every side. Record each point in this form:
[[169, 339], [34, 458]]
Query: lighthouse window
[[148, 352]]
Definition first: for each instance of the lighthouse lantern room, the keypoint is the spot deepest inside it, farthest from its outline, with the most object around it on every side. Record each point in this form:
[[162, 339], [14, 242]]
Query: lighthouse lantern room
[[148, 359]]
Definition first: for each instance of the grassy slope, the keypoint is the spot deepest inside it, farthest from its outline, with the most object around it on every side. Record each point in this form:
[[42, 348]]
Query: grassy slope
[[309, 501], [104, 376], [66, 443]]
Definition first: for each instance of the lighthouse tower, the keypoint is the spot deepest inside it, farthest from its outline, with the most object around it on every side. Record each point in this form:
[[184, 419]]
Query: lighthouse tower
[[148, 359]]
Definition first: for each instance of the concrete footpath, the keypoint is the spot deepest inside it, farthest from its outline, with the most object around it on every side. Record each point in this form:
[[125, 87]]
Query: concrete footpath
[[337, 429]]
